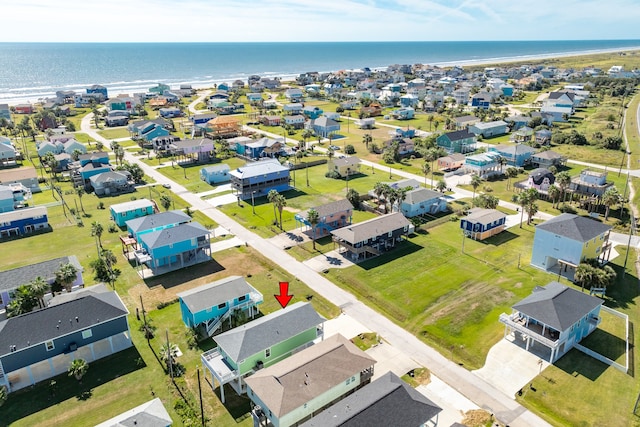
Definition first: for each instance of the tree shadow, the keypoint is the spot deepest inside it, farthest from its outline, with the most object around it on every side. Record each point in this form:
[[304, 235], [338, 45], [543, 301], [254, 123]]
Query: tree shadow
[[30, 400]]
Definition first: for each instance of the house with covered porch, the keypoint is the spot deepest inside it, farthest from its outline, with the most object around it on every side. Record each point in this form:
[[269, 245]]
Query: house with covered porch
[[123, 212], [481, 223], [41, 344], [553, 316], [258, 344], [372, 237], [331, 216], [211, 304], [258, 178]]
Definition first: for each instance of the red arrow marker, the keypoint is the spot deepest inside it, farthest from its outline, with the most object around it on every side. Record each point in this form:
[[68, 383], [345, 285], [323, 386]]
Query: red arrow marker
[[284, 298]]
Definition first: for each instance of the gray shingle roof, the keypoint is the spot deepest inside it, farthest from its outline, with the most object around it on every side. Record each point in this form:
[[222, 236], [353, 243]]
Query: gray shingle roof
[[43, 325], [387, 401], [548, 155], [346, 161], [372, 228], [557, 306], [300, 378], [158, 220], [512, 150], [168, 236], [330, 208], [260, 334], [215, 293], [574, 227], [484, 216], [11, 279], [149, 414], [459, 135], [420, 195]]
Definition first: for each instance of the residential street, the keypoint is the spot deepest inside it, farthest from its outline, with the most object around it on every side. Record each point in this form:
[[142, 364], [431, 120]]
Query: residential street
[[472, 387]]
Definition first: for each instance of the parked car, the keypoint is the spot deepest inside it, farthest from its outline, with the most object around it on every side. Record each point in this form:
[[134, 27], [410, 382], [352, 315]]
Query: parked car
[[334, 147]]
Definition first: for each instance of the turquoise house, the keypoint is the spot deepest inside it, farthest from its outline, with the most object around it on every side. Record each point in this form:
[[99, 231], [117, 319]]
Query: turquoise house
[[244, 350], [312, 112], [173, 248], [147, 224], [460, 141], [517, 155], [554, 316], [123, 212], [210, 305], [215, 174]]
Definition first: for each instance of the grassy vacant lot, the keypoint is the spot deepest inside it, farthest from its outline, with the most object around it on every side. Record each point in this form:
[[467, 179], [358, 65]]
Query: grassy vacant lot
[[114, 133], [450, 298], [580, 391], [189, 175]]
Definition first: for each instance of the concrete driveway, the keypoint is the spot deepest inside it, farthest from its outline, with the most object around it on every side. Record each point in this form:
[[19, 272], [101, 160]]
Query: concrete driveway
[[453, 404], [332, 259], [390, 358], [510, 367]]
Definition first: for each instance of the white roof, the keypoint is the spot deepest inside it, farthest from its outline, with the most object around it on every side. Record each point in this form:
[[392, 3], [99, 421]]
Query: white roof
[[130, 206]]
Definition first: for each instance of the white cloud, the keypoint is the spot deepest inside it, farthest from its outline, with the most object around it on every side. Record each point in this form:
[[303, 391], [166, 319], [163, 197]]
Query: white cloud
[[306, 20]]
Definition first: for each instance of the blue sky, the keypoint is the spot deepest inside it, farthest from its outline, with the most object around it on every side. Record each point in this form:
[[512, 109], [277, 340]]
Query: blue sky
[[318, 20]]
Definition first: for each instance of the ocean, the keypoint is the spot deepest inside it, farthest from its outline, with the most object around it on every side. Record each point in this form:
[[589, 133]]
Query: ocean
[[32, 71]]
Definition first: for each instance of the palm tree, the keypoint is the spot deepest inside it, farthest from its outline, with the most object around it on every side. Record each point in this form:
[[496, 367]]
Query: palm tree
[[584, 274], [165, 202], [330, 153], [526, 200], [563, 179], [610, 198], [280, 203], [39, 287], [430, 120], [272, 195], [426, 170], [431, 155], [168, 354], [441, 186], [78, 368], [554, 194], [307, 134], [80, 193], [367, 139], [502, 161], [511, 173], [476, 181], [119, 152], [314, 218], [3, 394], [96, 231], [386, 193], [66, 275], [24, 301], [99, 146]]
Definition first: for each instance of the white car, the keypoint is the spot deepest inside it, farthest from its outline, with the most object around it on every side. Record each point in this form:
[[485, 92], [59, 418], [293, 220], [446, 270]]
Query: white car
[[334, 147]]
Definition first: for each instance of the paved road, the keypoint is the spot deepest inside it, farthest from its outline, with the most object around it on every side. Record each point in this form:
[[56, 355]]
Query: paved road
[[477, 390]]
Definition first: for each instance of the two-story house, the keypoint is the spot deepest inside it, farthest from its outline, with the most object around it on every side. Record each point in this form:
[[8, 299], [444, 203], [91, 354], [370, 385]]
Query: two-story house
[[23, 221], [460, 141], [374, 236], [331, 216], [244, 350], [489, 129], [215, 174], [41, 344], [554, 316], [211, 304], [291, 391], [345, 166], [420, 201], [123, 212], [146, 224], [387, 401], [259, 178], [590, 183], [517, 155], [566, 240], [484, 165]]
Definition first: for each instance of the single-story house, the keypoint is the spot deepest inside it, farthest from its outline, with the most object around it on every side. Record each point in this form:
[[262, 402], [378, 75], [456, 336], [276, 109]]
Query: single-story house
[[291, 391], [264, 147], [123, 212], [239, 143], [481, 223], [489, 129], [345, 166], [95, 326], [556, 316], [463, 122], [366, 123], [211, 304], [523, 135], [23, 221], [15, 277], [215, 174], [374, 236], [405, 113], [451, 162], [271, 120]]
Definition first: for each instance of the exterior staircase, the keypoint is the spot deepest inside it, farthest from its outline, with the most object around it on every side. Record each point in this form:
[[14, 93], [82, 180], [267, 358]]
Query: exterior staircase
[[214, 324]]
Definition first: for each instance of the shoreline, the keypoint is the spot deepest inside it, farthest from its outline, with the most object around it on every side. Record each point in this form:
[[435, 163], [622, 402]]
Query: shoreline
[[137, 86]]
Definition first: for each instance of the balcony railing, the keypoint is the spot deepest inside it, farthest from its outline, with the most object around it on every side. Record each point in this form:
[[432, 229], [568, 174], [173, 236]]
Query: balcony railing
[[511, 321], [214, 361]]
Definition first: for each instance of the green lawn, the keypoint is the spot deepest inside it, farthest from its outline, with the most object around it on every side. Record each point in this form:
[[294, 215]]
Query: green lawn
[[580, 391], [321, 190], [450, 298], [114, 133]]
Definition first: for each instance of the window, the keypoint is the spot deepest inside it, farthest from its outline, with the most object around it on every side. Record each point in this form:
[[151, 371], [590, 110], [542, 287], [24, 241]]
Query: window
[[242, 298], [267, 353], [86, 334], [223, 305], [49, 345]]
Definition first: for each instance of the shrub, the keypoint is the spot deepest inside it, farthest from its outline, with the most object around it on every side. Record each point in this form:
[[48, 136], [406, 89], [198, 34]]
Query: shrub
[[332, 174], [349, 149], [113, 228]]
